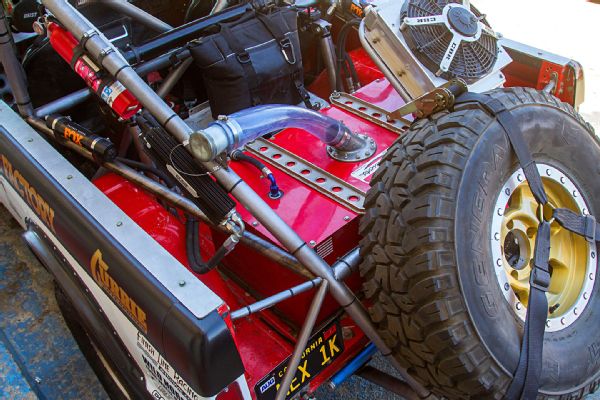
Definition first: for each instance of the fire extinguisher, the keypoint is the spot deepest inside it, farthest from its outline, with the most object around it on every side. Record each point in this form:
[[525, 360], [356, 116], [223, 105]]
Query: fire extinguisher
[[109, 90]]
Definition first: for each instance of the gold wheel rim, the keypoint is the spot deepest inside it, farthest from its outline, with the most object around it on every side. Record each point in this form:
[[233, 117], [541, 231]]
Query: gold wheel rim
[[571, 257]]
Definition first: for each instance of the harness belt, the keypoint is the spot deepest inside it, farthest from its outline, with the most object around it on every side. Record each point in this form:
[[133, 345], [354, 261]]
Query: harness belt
[[526, 379]]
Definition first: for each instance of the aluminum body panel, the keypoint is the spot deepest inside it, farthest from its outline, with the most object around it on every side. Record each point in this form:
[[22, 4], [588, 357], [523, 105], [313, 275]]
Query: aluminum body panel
[[196, 296]]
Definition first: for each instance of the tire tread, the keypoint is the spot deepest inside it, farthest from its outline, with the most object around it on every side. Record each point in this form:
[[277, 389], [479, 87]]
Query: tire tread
[[408, 251]]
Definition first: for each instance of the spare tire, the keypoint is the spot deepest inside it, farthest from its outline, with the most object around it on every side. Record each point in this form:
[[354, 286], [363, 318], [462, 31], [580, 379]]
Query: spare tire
[[448, 237]]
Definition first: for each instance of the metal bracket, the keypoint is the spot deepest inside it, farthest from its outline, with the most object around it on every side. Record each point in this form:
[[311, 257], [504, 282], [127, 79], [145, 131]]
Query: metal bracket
[[368, 111], [438, 99], [308, 173]]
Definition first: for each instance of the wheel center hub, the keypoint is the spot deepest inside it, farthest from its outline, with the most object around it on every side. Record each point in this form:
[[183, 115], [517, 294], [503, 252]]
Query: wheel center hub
[[572, 260], [517, 249]]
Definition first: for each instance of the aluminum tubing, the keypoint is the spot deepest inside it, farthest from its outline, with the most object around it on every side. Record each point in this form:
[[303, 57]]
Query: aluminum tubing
[[101, 49], [328, 54], [173, 77], [13, 68], [220, 5], [64, 103], [164, 61], [303, 337], [387, 382], [136, 13], [275, 299]]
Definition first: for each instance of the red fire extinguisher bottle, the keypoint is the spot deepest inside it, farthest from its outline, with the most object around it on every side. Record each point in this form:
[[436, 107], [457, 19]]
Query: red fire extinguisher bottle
[[109, 90]]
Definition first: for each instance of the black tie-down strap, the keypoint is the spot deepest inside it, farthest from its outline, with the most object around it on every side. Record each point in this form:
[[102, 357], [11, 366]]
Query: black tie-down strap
[[583, 225], [515, 137], [526, 379]]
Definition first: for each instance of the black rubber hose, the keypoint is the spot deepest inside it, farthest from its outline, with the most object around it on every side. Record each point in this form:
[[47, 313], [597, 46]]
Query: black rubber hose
[[192, 248], [274, 191], [148, 168], [352, 69], [341, 49], [239, 156]]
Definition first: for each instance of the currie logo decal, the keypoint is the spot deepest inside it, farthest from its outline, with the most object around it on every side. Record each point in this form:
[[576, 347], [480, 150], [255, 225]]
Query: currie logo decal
[[100, 274], [27, 192]]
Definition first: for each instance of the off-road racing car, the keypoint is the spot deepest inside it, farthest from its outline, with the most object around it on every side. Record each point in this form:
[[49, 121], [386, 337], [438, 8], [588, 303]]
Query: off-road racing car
[[248, 199]]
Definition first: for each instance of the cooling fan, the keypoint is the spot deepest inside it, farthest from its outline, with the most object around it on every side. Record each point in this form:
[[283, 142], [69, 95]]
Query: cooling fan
[[451, 39]]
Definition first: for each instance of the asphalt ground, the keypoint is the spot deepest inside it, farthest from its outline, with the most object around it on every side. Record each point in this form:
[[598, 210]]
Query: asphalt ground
[[38, 357]]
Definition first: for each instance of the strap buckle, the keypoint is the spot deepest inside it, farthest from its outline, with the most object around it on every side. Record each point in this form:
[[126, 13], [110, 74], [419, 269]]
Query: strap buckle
[[243, 58], [286, 47], [539, 279], [540, 273]]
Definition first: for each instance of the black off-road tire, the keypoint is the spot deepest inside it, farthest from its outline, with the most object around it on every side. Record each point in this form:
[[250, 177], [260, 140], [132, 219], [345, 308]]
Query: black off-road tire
[[426, 250]]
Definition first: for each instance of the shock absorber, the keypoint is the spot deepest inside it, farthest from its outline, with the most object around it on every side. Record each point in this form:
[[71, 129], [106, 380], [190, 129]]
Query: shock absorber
[[108, 89], [101, 148]]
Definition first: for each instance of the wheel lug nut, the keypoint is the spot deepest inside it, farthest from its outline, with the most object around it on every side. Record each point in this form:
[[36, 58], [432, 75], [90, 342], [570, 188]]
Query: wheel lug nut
[[506, 286], [499, 262], [548, 172], [519, 306], [562, 321], [548, 323], [496, 236], [562, 179]]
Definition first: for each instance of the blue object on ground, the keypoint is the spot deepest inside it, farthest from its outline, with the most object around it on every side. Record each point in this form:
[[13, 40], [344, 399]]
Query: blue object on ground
[[353, 366]]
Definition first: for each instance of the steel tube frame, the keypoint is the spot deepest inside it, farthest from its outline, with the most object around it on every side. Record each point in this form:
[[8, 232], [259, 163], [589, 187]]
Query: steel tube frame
[[173, 77], [63, 103], [78, 97], [101, 49], [341, 269], [13, 68], [136, 13], [275, 299], [328, 53], [388, 382], [181, 35], [163, 61], [303, 337]]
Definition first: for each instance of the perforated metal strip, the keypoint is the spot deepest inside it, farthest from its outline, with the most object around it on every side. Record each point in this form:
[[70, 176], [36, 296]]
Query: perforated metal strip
[[309, 174], [369, 111]]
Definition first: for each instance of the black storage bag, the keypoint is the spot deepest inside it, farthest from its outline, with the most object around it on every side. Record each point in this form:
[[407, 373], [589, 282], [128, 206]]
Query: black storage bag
[[254, 60]]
